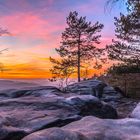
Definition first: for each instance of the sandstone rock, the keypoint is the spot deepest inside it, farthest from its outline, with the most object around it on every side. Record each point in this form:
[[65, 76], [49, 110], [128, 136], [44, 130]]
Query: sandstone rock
[[84, 87], [136, 112], [96, 88], [110, 94], [38, 108], [90, 105], [11, 133], [92, 128]]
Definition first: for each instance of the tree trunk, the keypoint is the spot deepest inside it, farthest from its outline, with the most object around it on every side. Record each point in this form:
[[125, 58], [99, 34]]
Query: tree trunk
[[78, 66]]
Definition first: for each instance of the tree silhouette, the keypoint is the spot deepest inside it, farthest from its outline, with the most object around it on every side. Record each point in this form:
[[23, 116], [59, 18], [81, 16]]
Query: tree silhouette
[[126, 48], [78, 44], [62, 69]]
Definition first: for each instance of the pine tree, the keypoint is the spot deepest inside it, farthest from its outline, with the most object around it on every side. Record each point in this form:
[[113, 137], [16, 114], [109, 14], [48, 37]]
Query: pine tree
[[78, 43], [127, 47]]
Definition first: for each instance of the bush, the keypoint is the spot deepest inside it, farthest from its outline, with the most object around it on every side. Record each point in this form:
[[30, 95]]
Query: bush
[[123, 68]]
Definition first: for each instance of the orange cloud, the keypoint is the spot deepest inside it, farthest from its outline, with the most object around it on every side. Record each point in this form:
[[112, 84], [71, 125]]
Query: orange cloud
[[35, 29], [30, 71], [34, 69]]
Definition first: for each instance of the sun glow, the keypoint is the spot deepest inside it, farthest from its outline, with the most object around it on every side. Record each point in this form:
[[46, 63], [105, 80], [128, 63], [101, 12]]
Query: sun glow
[[35, 31]]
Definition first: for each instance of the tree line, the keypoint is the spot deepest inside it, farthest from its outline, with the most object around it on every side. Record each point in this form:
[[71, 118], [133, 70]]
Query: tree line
[[80, 39]]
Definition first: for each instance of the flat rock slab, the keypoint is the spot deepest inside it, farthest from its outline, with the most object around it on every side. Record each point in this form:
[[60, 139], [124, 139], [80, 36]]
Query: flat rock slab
[[92, 128]]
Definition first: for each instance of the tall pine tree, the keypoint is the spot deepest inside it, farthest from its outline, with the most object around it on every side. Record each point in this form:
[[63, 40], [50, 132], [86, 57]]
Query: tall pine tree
[[127, 48], [78, 44]]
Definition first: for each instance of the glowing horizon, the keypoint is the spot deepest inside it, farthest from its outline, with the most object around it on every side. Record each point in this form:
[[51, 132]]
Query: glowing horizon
[[35, 30]]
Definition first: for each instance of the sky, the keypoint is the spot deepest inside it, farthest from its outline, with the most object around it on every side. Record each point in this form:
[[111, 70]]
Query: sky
[[35, 28]]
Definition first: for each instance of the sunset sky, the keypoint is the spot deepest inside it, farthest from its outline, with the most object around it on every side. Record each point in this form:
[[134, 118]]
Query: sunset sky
[[35, 28]]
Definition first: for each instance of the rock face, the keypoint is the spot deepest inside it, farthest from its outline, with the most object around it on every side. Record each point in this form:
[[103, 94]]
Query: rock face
[[11, 133], [47, 113], [112, 96], [136, 112], [92, 128], [95, 88], [29, 110], [90, 105]]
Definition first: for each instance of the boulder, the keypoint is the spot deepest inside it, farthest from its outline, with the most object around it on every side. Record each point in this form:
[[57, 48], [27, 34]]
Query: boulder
[[84, 87], [92, 128], [110, 94], [125, 106], [90, 105], [38, 108], [136, 112], [96, 88], [11, 133]]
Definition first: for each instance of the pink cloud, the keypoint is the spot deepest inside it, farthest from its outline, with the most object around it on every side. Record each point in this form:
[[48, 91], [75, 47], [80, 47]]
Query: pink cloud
[[104, 41], [23, 24], [29, 24], [15, 3]]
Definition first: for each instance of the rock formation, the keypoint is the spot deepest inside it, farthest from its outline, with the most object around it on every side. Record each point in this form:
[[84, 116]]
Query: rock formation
[[47, 113]]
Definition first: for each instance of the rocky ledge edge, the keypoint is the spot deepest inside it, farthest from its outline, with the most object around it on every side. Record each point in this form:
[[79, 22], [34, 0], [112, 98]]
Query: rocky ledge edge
[[47, 113]]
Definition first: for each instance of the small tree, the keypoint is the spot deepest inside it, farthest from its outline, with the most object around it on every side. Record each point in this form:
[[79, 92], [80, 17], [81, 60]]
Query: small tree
[[78, 43], [62, 69], [123, 69]]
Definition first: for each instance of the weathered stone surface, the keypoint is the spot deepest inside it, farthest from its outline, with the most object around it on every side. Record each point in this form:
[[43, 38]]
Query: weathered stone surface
[[90, 105], [96, 88], [111, 95], [136, 112], [11, 133], [92, 128], [34, 109], [46, 113], [84, 87]]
